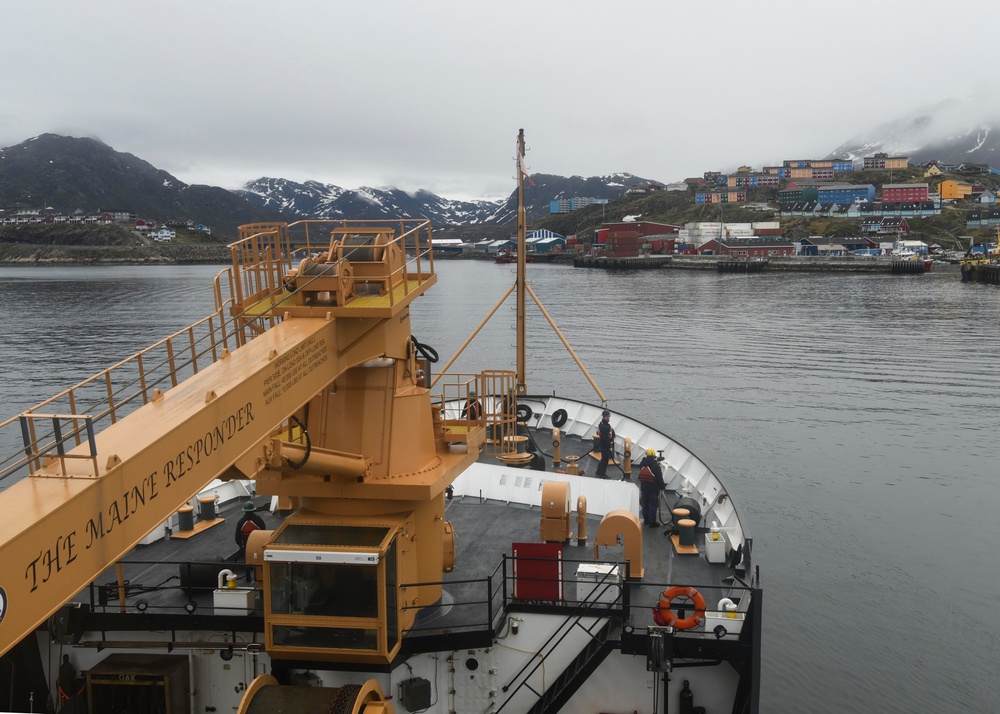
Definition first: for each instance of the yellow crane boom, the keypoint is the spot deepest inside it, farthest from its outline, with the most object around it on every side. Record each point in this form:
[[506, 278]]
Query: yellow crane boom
[[72, 518]]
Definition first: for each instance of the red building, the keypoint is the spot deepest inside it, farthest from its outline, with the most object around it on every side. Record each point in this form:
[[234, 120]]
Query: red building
[[905, 192], [885, 226], [627, 238], [759, 247]]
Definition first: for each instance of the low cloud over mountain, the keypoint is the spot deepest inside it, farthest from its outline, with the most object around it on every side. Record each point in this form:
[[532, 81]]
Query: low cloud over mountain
[[956, 131]]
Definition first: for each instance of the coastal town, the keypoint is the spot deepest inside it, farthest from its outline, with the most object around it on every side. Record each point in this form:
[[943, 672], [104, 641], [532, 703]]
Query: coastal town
[[797, 189]]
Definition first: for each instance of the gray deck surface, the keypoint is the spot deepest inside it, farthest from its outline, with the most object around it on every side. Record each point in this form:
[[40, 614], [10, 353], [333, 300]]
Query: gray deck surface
[[484, 534]]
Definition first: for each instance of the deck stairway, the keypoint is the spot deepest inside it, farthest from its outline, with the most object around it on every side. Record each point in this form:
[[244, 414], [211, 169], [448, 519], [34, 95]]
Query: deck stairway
[[603, 641]]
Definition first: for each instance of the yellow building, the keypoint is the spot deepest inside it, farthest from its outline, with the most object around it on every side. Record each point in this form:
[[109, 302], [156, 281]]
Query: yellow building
[[955, 189], [883, 162]]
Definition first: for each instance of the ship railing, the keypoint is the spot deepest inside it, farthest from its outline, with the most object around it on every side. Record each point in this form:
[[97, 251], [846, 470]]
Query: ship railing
[[52, 428], [261, 260], [186, 592], [266, 252], [486, 604], [588, 600], [610, 608], [484, 399], [480, 609]]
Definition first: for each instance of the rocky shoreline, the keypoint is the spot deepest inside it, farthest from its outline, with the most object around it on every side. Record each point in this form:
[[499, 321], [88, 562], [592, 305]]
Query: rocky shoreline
[[35, 255]]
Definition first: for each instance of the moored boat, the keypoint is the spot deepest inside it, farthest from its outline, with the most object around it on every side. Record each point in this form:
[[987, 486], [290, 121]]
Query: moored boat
[[431, 541]]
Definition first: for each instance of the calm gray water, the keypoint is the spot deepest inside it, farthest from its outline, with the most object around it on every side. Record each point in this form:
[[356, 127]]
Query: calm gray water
[[853, 417]]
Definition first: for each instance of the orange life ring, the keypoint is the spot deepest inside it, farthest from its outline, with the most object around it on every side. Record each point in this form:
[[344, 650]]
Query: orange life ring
[[665, 617]]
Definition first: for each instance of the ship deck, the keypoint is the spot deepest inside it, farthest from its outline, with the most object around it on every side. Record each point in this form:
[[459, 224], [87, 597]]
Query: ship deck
[[169, 583]]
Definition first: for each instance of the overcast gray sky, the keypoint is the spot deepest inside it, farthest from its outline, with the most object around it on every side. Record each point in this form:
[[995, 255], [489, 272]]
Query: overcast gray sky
[[431, 94]]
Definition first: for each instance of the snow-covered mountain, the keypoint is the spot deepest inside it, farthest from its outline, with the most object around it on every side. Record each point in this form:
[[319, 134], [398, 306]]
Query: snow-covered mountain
[[319, 200], [953, 131], [68, 173]]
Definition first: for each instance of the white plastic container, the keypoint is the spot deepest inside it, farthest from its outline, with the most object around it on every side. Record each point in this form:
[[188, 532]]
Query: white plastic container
[[597, 582]]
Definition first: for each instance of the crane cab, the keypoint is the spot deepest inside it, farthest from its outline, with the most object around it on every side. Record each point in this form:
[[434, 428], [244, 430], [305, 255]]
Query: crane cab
[[331, 588]]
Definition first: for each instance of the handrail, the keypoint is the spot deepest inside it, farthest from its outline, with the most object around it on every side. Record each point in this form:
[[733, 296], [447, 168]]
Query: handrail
[[497, 588], [261, 259], [119, 389], [263, 255]]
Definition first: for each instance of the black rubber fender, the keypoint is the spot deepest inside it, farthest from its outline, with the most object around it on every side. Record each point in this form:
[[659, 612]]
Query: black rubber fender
[[523, 412], [559, 417]]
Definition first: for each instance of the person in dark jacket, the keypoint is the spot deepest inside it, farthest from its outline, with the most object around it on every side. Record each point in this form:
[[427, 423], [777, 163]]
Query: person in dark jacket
[[247, 525], [70, 688], [473, 408], [650, 484], [606, 434]]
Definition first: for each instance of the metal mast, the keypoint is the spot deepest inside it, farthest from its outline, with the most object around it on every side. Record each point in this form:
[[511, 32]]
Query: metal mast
[[523, 291], [522, 387]]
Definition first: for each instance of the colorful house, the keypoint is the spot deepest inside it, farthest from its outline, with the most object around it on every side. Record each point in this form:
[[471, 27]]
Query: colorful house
[[883, 161], [954, 190], [885, 226], [845, 193], [734, 195], [905, 192], [753, 180]]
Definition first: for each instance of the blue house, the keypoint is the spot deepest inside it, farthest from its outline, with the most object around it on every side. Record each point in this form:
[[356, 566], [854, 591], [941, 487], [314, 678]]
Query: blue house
[[554, 244], [543, 240], [846, 193]]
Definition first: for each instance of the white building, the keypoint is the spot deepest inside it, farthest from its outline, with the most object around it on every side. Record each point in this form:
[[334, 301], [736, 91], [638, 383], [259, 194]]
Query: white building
[[163, 235]]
